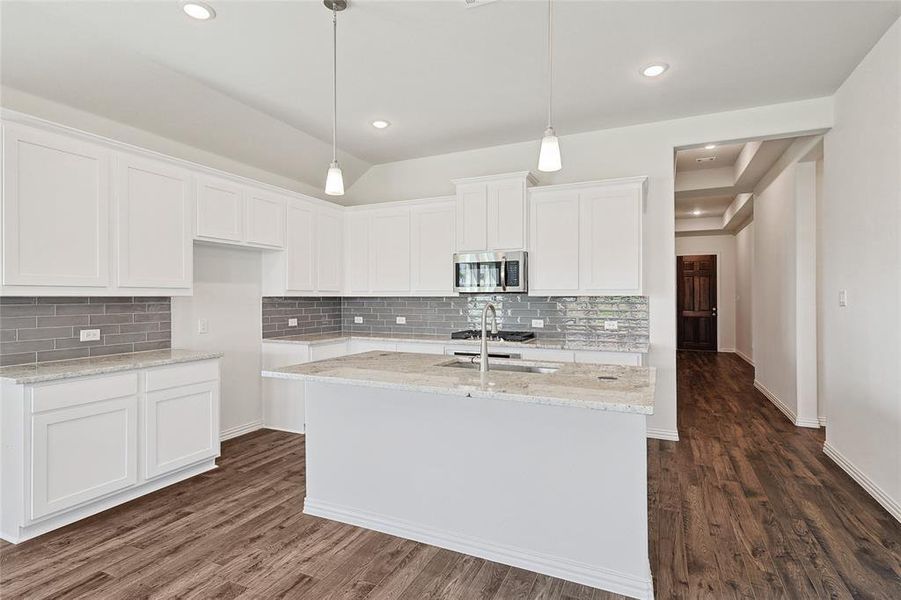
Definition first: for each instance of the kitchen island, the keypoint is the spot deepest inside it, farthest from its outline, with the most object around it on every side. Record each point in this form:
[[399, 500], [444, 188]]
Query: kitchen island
[[538, 465]]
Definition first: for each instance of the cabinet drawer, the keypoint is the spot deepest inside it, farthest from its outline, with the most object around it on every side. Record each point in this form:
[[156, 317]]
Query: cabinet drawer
[[53, 396], [187, 374]]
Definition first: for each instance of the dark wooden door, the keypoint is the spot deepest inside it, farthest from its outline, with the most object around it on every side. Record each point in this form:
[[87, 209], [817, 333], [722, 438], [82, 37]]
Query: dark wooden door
[[696, 302]]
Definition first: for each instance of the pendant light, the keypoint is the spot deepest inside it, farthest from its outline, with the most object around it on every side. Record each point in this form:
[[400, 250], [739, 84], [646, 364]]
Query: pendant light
[[549, 154], [334, 180]]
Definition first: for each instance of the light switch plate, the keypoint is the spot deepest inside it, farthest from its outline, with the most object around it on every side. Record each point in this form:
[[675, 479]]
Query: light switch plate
[[537, 323], [843, 297], [358, 320], [89, 335], [401, 320], [203, 326], [292, 322], [611, 325]]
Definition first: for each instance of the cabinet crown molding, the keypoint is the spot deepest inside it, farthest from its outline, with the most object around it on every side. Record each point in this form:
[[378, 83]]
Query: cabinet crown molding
[[528, 176]]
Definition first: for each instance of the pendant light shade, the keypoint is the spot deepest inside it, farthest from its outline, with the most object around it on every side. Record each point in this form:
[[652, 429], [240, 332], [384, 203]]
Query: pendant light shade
[[549, 155], [334, 179], [549, 159]]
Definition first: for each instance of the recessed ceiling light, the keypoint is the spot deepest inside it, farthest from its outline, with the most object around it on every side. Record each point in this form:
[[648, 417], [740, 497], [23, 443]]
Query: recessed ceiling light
[[696, 212], [710, 146], [381, 124], [654, 70], [199, 10]]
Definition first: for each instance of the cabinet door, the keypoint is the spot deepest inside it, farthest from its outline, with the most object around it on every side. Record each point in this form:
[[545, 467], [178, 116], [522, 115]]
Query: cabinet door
[[220, 210], [554, 259], [357, 248], [506, 219], [472, 207], [610, 240], [153, 204], [181, 427], [390, 251], [82, 453], [299, 248], [432, 243], [329, 229], [265, 220], [55, 210]]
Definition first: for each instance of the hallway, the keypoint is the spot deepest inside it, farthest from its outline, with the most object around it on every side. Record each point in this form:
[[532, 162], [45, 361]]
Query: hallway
[[747, 505]]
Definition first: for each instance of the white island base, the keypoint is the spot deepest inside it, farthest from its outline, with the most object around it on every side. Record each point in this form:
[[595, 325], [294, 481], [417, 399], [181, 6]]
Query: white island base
[[559, 490]]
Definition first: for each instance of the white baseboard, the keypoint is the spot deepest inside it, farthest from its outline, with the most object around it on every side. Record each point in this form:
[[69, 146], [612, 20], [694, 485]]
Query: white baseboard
[[744, 357], [663, 434], [726, 350], [788, 412], [822, 421], [605, 579], [285, 429], [878, 494], [231, 432]]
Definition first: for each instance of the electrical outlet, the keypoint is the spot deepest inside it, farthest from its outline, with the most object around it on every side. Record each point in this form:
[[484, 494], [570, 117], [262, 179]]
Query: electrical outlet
[[611, 325], [203, 326], [292, 322], [401, 320], [358, 320], [89, 335], [843, 297], [537, 323]]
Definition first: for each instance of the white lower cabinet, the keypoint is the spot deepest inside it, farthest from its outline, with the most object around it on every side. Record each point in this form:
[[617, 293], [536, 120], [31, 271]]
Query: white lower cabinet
[[75, 447]]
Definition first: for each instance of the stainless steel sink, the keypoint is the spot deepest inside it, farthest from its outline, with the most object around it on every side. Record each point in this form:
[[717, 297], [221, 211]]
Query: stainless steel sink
[[503, 367]]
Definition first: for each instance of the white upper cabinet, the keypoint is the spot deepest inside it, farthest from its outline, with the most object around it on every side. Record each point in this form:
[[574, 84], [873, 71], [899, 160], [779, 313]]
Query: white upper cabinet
[[356, 265], [56, 192], [220, 209], [586, 238], [329, 255], [554, 254], [432, 248], [389, 251], [265, 219], [491, 212], [300, 248], [153, 202]]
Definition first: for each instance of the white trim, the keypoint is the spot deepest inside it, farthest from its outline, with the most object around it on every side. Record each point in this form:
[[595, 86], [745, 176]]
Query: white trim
[[878, 494], [642, 179], [744, 357], [232, 432], [605, 579], [285, 429], [822, 421], [658, 433], [782, 406], [726, 350]]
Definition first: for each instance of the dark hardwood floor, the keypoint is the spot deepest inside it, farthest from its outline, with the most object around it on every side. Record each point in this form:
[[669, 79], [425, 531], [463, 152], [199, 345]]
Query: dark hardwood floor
[[744, 506]]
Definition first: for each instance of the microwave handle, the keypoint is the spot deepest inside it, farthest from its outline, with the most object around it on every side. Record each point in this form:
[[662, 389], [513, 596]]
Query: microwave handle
[[504, 274]]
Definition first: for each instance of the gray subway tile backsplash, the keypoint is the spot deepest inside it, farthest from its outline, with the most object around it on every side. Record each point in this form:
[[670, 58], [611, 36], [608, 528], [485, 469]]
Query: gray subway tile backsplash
[[46, 328], [573, 319]]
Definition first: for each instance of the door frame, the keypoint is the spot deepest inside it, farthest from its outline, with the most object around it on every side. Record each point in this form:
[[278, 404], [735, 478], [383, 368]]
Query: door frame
[[719, 347]]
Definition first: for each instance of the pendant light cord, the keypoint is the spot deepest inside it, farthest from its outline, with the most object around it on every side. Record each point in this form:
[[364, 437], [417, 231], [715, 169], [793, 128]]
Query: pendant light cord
[[334, 84], [550, 59]]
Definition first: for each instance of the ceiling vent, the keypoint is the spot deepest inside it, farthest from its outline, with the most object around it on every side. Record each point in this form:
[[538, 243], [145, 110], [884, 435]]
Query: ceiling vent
[[477, 3], [705, 159]]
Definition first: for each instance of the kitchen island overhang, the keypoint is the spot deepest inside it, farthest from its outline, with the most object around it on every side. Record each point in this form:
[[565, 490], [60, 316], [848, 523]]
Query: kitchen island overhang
[[543, 471]]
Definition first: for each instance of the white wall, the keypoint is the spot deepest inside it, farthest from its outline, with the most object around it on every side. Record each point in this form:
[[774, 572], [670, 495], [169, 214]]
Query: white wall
[[744, 269], [723, 246], [638, 150], [228, 294], [861, 253]]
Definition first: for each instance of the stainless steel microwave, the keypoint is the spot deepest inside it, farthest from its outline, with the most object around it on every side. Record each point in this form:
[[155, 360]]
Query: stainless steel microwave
[[491, 272]]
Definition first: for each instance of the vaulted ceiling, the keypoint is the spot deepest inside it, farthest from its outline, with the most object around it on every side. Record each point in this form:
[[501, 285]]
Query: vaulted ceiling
[[254, 84]]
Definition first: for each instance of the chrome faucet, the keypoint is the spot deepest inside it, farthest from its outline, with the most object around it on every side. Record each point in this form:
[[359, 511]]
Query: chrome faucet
[[483, 354]]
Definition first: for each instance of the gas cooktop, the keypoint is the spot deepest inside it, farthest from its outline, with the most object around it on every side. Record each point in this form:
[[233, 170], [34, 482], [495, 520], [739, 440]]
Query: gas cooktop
[[506, 336]]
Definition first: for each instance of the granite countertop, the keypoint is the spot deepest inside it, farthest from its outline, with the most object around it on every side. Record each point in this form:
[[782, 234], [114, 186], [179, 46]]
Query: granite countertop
[[573, 384], [337, 336], [81, 367]]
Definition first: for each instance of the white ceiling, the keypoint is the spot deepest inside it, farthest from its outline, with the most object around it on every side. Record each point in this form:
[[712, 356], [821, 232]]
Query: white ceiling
[[254, 84], [724, 155], [710, 206]]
